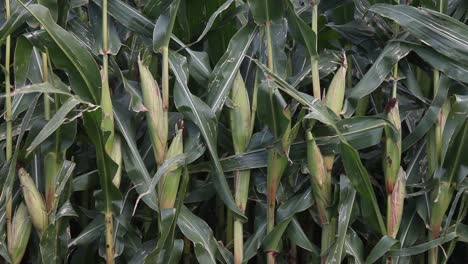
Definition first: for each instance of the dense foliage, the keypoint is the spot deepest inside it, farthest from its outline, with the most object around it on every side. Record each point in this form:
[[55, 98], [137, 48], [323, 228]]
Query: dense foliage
[[231, 131]]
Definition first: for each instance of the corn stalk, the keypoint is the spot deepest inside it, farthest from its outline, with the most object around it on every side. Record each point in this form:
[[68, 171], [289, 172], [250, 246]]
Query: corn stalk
[[277, 161], [241, 129], [112, 142], [9, 128], [442, 194], [315, 59]]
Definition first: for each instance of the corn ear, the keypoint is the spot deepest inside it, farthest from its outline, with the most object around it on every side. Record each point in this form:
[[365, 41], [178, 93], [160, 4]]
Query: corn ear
[[320, 179], [34, 202], [395, 204], [392, 157], [440, 201], [334, 100], [241, 130], [21, 230], [240, 116], [156, 117], [336, 91], [169, 183]]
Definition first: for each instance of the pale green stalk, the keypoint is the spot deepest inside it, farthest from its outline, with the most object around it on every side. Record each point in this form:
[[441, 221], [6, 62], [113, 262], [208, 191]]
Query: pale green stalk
[[276, 161], [9, 129], [395, 178], [107, 124], [442, 194], [314, 60]]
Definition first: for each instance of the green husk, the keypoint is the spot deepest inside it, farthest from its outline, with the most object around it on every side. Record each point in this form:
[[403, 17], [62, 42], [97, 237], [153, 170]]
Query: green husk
[[320, 180], [21, 230], [169, 183], [240, 119], [395, 204], [34, 202], [392, 158], [156, 117], [336, 91]]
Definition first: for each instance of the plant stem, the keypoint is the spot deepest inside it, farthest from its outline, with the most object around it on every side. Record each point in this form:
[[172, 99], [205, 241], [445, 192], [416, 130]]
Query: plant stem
[[314, 59], [165, 78], [274, 171], [109, 238], [45, 78], [328, 236], [9, 129], [242, 179], [106, 105]]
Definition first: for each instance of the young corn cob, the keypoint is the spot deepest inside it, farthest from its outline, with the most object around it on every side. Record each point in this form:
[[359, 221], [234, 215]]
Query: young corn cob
[[156, 117], [395, 204], [34, 202], [323, 170], [21, 230], [240, 118], [322, 192], [169, 183], [392, 157], [334, 100], [335, 93], [321, 183]]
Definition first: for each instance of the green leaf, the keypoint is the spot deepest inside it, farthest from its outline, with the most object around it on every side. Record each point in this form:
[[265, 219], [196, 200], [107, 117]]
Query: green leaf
[[129, 17], [359, 132], [198, 231], [225, 71], [54, 123], [105, 164], [443, 33], [460, 231], [255, 241], [134, 164], [167, 219], [354, 246], [265, 11], [381, 67], [17, 18], [154, 8], [345, 207], [49, 246], [452, 68], [427, 121], [382, 247], [74, 51], [302, 30], [212, 19], [455, 120], [272, 240], [95, 18], [197, 111], [299, 237], [320, 112], [456, 161], [360, 180], [163, 27], [90, 233]]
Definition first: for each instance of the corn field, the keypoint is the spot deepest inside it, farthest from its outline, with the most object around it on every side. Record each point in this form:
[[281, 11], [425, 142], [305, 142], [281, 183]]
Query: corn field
[[234, 131]]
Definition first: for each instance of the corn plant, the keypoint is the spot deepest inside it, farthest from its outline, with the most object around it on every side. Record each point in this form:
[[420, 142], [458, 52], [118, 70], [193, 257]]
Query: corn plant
[[247, 131]]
